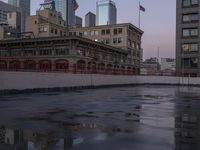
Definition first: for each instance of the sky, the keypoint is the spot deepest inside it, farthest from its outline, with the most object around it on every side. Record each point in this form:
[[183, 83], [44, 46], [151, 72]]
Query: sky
[[158, 22]]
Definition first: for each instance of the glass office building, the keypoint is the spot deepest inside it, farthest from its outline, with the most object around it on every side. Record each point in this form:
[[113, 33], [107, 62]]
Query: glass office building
[[106, 12], [65, 7]]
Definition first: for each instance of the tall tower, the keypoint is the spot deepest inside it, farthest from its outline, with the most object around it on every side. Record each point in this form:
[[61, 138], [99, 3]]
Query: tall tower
[[106, 12], [25, 6], [90, 19], [188, 38], [67, 8]]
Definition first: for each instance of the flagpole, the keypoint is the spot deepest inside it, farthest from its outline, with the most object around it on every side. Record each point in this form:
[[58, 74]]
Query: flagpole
[[139, 16]]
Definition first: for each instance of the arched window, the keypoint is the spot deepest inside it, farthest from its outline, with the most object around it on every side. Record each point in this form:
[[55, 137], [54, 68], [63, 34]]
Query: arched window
[[15, 65], [81, 64], [45, 65], [61, 65], [3, 65], [29, 65], [101, 67], [92, 66]]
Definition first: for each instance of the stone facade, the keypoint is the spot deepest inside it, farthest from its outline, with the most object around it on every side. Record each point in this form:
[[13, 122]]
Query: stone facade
[[61, 54], [46, 23], [124, 36]]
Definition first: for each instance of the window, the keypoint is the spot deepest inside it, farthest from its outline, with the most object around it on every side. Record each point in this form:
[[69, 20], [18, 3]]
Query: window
[[108, 31], [119, 40], [29, 53], [45, 52], [190, 47], [45, 29], [42, 29], [81, 52], [96, 33], [4, 53], [15, 53], [193, 32], [56, 31], [194, 2], [80, 33], [188, 3], [106, 41], [120, 30], [137, 46], [190, 17], [103, 32], [115, 31], [62, 51], [10, 15], [190, 32], [190, 62], [114, 40], [92, 33], [85, 33], [52, 30]]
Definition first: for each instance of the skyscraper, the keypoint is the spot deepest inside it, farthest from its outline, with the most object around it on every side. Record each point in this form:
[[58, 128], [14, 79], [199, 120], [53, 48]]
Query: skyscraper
[[187, 38], [106, 12], [67, 8], [79, 22], [25, 6], [90, 19]]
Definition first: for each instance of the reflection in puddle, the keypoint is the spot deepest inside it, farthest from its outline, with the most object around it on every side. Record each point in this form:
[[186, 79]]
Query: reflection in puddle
[[140, 118]]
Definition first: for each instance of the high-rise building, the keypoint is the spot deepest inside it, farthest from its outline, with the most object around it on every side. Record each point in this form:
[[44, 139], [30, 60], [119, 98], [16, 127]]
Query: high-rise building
[[67, 8], [187, 38], [25, 6], [10, 21], [5, 9], [106, 12], [79, 22], [90, 19]]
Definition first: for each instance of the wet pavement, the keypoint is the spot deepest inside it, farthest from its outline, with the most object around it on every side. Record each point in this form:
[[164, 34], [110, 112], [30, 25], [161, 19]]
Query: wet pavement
[[125, 118]]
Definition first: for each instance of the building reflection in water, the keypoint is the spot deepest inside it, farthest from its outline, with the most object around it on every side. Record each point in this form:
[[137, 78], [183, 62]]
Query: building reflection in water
[[187, 122], [12, 139]]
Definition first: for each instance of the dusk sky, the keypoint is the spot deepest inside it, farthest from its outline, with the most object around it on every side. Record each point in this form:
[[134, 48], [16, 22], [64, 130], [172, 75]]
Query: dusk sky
[[158, 22]]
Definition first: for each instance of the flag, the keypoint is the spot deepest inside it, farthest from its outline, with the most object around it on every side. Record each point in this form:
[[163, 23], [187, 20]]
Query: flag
[[142, 8], [74, 5]]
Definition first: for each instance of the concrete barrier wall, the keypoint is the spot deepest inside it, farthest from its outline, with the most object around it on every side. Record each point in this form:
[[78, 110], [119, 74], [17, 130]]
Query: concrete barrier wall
[[33, 80]]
